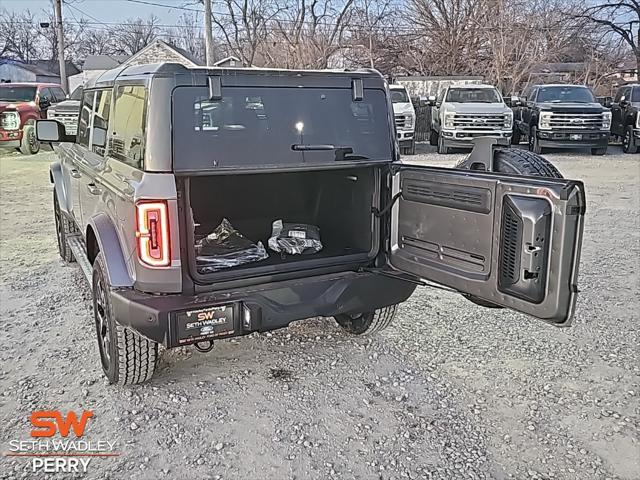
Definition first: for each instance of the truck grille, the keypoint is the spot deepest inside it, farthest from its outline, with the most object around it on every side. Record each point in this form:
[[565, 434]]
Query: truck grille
[[69, 120], [580, 121], [476, 121], [401, 121]]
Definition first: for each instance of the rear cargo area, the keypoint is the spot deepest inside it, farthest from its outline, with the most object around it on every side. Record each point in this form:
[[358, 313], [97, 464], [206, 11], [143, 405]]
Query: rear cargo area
[[339, 202]]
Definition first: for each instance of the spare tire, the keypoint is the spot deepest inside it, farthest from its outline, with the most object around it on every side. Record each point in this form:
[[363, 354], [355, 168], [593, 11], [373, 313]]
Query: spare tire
[[514, 162]]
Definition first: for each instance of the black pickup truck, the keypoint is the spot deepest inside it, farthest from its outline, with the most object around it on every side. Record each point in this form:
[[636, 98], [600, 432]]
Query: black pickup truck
[[561, 116], [625, 123]]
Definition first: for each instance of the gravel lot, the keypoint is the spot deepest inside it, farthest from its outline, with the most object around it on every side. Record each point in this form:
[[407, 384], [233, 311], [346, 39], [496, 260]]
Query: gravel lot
[[450, 391]]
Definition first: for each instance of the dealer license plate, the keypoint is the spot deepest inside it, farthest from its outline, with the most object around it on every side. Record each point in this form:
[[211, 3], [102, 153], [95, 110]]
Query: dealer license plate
[[205, 324], [575, 136]]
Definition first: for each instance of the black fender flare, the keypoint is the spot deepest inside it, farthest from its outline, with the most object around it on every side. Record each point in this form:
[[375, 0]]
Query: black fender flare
[[57, 178], [109, 244]]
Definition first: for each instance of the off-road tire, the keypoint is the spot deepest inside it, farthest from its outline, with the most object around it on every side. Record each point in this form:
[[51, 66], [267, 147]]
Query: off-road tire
[[516, 137], [599, 151], [627, 140], [433, 138], [367, 323], [64, 228], [29, 145], [534, 142], [442, 150], [514, 161], [131, 358]]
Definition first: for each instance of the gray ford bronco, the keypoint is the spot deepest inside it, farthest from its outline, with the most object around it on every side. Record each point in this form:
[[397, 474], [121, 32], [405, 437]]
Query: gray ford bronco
[[164, 154]]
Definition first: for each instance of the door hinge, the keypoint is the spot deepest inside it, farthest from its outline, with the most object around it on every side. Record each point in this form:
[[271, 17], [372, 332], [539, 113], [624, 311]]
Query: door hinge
[[380, 213]]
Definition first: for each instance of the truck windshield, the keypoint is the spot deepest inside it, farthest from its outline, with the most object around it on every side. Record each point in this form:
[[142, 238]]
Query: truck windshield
[[17, 94], [635, 96], [473, 95], [260, 126], [564, 94], [399, 96]]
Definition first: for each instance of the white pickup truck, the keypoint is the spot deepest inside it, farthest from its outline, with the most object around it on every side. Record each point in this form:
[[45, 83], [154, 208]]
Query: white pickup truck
[[466, 112], [405, 119]]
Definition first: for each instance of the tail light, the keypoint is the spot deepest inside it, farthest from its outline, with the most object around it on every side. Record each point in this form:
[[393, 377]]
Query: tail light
[[154, 245]]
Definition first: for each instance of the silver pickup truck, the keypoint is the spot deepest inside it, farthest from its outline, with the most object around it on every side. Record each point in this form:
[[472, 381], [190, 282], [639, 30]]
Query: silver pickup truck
[[466, 112], [164, 155]]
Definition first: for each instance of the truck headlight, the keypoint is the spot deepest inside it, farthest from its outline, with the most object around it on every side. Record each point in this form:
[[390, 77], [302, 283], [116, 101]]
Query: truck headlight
[[544, 121], [606, 120], [410, 120], [10, 120], [448, 119], [508, 120]]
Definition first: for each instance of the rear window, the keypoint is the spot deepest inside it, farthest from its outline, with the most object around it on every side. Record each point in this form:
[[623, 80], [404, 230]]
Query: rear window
[[258, 127]]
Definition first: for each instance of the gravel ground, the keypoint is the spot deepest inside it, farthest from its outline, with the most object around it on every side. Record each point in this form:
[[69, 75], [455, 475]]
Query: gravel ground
[[449, 391]]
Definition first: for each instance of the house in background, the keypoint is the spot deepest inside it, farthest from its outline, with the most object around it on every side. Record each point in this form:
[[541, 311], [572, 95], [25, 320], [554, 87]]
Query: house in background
[[229, 61], [93, 66], [36, 71], [156, 52]]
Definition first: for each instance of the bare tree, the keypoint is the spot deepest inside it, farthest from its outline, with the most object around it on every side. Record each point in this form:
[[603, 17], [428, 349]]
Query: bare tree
[[244, 26], [18, 35], [451, 33], [619, 17], [309, 34], [187, 35], [136, 34]]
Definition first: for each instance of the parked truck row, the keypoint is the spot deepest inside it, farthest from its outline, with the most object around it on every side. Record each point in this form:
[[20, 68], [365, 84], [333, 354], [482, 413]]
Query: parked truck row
[[545, 116]]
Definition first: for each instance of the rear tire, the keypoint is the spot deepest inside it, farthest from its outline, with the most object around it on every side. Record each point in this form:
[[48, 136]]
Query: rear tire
[[64, 227], [126, 357], [627, 141], [514, 161], [367, 323], [433, 138], [442, 149], [534, 142], [515, 137], [599, 151], [29, 145]]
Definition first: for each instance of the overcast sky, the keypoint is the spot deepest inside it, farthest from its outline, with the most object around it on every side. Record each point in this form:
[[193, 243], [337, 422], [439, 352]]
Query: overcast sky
[[106, 10]]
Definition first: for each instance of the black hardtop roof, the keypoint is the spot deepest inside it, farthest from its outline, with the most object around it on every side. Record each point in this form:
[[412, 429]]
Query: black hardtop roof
[[148, 71]]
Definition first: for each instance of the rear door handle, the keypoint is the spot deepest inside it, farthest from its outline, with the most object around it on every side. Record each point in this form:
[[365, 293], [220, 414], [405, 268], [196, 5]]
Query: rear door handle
[[94, 189], [75, 173]]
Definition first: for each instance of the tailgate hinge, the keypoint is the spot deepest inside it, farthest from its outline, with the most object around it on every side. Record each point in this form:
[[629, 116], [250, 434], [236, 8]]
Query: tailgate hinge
[[380, 213]]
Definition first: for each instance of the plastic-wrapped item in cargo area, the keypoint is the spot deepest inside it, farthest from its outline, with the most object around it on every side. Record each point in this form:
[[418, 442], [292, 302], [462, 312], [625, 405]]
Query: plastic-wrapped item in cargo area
[[294, 238], [225, 247]]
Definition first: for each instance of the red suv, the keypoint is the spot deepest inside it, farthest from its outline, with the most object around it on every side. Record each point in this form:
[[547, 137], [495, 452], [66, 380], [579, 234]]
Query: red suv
[[21, 104]]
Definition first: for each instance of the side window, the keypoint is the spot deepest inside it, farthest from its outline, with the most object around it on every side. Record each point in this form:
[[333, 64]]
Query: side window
[[532, 95], [126, 142], [84, 122], [58, 95], [100, 126], [45, 94]]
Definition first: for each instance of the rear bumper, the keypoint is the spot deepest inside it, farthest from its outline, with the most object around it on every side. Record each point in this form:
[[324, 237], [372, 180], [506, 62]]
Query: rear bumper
[[554, 139], [270, 306]]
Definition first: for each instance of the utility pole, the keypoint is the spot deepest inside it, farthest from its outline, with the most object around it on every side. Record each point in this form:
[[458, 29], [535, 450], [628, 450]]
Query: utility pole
[[208, 34], [60, 35]]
